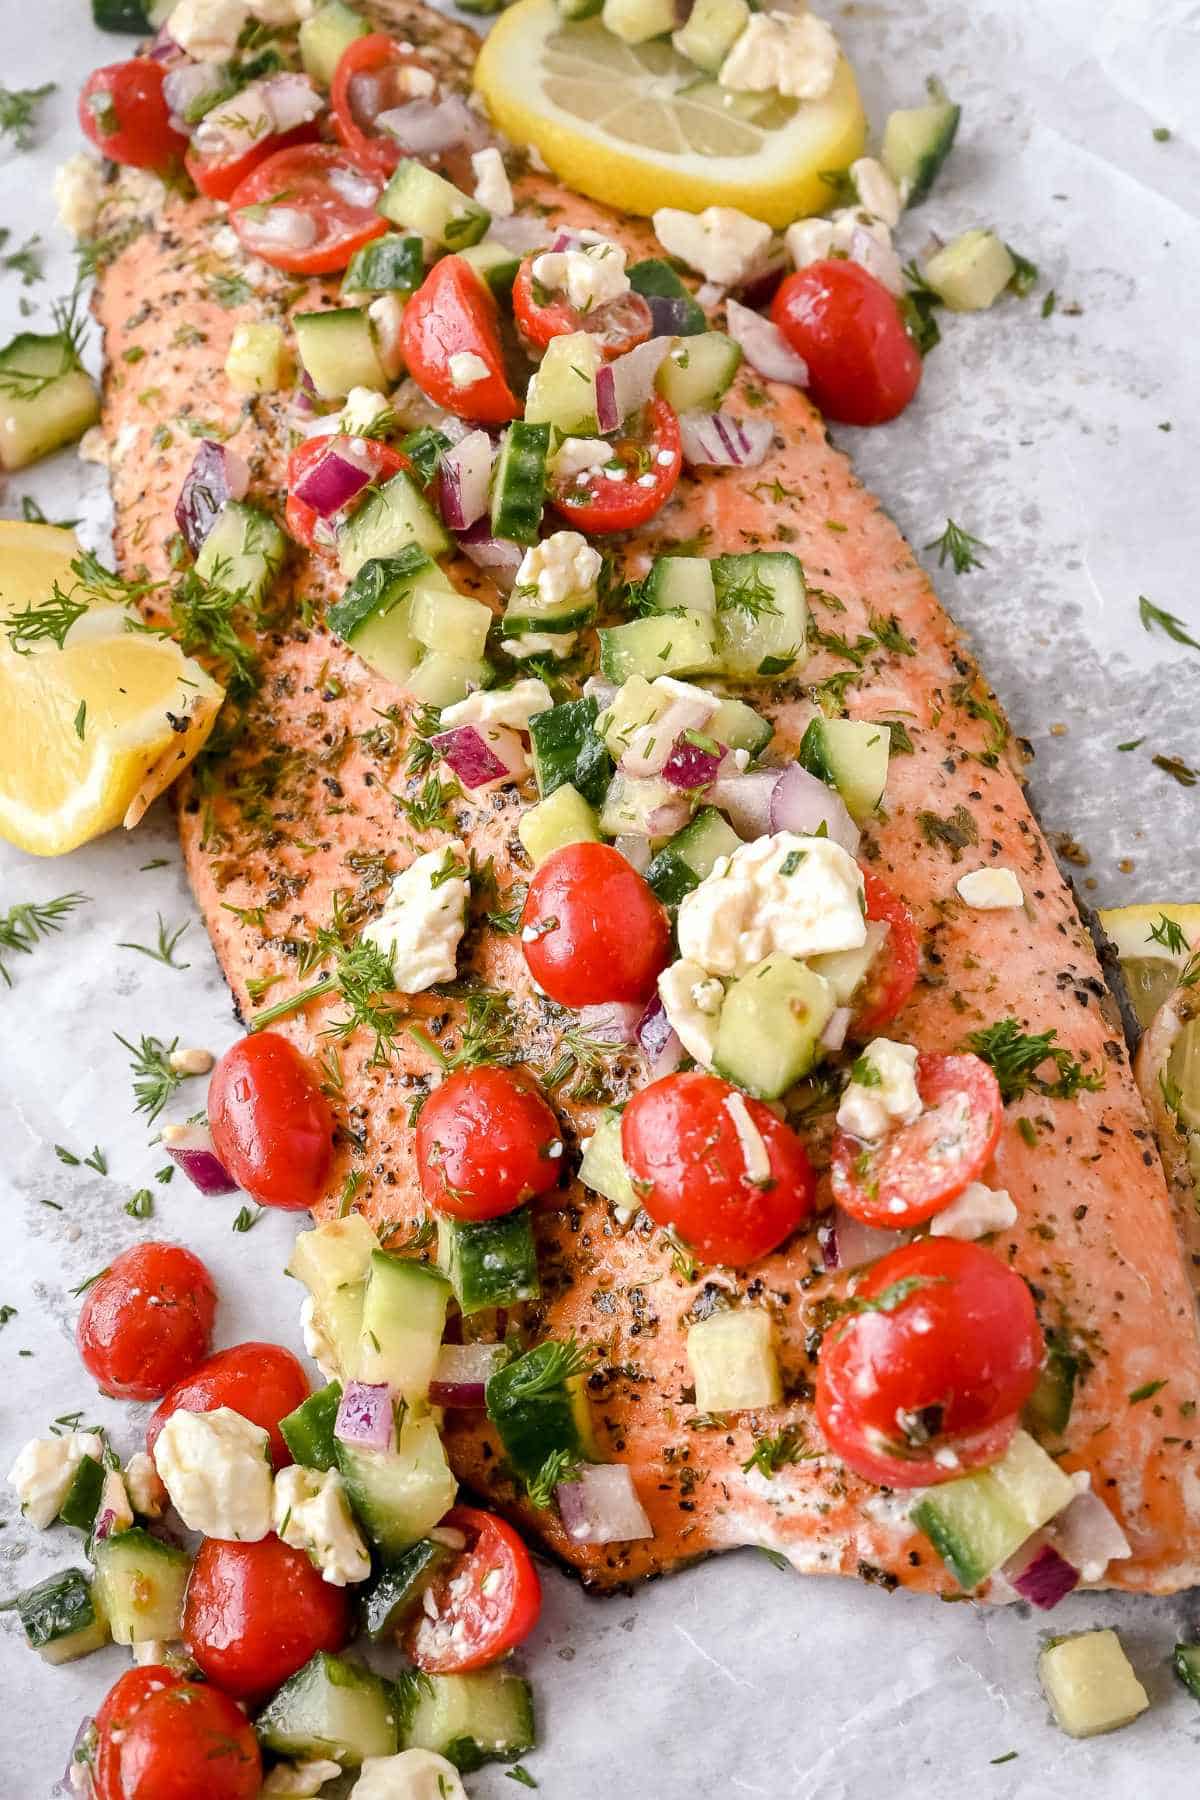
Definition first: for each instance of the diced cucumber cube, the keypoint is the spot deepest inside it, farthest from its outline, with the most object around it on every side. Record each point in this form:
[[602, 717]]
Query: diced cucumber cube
[[394, 516], [1090, 1683], [535, 1414], [685, 581], [257, 359], [678, 643], [394, 1595], [978, 1521], [333, 1255], [602, 1167], [392, 263], [48, 400], [338, 351], [739, 727], [568, 750], [472, 1719], [325, 36], [399, 1495], [62, 1618], [852, 756], [243, 552], [331, 1708], [562, 391], [564, 817], [518, 494], [636, 21], [712, 29], [83, 1496], [696, 373], [404, 1317], [139, 1586], [762, 613], [916, 142], [631, 802], [655, 279], [440, 679], [495, 263], [489, 1262], [421, 201], [1048, 1408], [308, 1430], [443, 619], [1186, 1664], [682, 864], [970, 274], [846, 970], [733, 1361], [769, 1031], [375, 615]]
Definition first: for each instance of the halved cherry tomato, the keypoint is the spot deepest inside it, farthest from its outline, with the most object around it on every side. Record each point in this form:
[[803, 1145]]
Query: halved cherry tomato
[[303, 521], [451, 314], [943, 1352], [162, 1737], [691, 1167], [270, 1123], [371, 78], [651, 458], [263, 1382], [863, 367], [322, 193], [254, 1613], [592, 930], [919, 1168], [486, 1603], [486, 1142], [218, 176], [893, 975], [618, 326], [123, 112], [146, 1321]]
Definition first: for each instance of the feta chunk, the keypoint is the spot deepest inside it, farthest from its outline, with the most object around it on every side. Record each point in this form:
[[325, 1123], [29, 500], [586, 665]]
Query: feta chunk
[[281, 12], [809, 241], [313, 1514], [360, 409], [492, 186], [317, 1341], [589, 276], [208, 29], [147, 1495], [991, 890], [721, 243], [413, 1775], [576, 456], [466, 368], [216, 1466], [44, 1470], [512, 706], [540, 643], [386, 314], [299, 1781], [692, 999], [882, 1090], [561, 567], [802, 896], [423, 920], [78, 192], [788, 53], [756, 1164], [977, 1210], [877, 192], [852, 232]]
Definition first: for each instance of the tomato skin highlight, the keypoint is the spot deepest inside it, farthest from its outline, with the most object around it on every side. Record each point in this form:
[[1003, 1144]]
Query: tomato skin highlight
[[217, 177], [592, 930], [263, 1382], [909, 1175], [484, 1143], [492, 1620], [957, 1346], [894, 976], [373, 54], [681, 1147], [254, 1613], [147, 1321], [271, 1125], [629, 320], [162, 1737], [599, 505], [301, 519], [863, 367], [123, 112], [303, 173], [454, 313]]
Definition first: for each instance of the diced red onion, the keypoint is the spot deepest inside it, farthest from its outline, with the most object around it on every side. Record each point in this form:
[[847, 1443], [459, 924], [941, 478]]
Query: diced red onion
[[424, 127], [462, 1372], [463, 480], [608, 413], [217, 474], [635, 850], [264, 109], [104, 1523], [847, 1243], [633, 375], [602, 1506], [334, 479], [834, 1034], [164, 49], [365, 1416], [191, 1146], [1043, 1578], [185, 86], [481, 760], [802, 803], [566, 240], [657, 1040], [293, 100], [279, 228], [764, 346], [521, 235], [498, 556], [690, 765], [669, 312], [745, 799], [718, 440], [611, 1022], [1087, 1534]]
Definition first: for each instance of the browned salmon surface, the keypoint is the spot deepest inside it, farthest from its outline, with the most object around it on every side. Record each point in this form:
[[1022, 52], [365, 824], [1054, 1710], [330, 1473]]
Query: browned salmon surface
[[314, 800]]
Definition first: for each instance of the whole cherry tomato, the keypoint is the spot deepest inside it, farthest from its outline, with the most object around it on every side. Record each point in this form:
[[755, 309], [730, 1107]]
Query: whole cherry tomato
[[375, 75], [893, 974], [307, 209], [146, 1321], [651, 456], [484, 1605], [618, 326], [941, 1355], [304, 522], [592, 930], [486, 1142], [271, 1125], [453, 314], [254, 1613], [717, 1166], [123, 112], [263, 1382], [162, 1737], [863, 367]]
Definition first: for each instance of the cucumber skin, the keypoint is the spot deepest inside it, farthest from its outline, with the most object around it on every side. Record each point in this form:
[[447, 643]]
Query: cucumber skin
[[57, 1608], [83, 1496], [489, 1262], [519, 483], [308, 1431], [568, 751], [390, 1600]]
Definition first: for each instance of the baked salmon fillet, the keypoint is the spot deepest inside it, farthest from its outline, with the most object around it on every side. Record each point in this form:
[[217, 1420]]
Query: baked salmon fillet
[[315, 800]]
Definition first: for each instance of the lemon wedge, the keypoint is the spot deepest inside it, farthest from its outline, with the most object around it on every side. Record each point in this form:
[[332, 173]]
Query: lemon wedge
[[97, 729], [1151, 953], [638, 127]]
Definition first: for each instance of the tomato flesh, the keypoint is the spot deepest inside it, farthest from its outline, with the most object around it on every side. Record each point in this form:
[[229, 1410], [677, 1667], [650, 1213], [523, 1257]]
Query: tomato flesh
[[618, 326], [917, 1169], [592, 930], [893, 975], [451, 314], [652, 458], [162, 1737], [863, 367], [327, 196], [218, 176], [687, 1158], [271, 1125], [304, 522], [263, 1382], [123, 111], [254, 1613], [369, 80], [486, 1142], [147, 1321], [486, 1603]]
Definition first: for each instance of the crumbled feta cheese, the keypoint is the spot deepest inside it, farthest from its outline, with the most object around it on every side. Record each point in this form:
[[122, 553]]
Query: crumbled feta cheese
[[991, 890], [977, 1210], [787, 53], [692, 1002], [216, 1466], [144, 191], [589, 276], [492, 187], [386, 314], [44, 1470], [414, 82], [114, 1501], [809, 241], [360, 409], [882, 1090], [191, 1062], [575, 456], [317, 1341], [147, 1495], [313, 1514], [868, 242], [282, 12], [423, 919], [802, 896], [756, 1164], [226, 244], [512, 706], [78, 192], [466, 368], [208, 29], [540, 643], [876, 190], [413, 1775], [720, 243], [299, 1781], [561, 567]]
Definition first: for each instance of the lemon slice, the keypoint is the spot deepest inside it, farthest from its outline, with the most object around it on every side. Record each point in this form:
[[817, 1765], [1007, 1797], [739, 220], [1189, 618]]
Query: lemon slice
[[1151, 964], [638, 127]]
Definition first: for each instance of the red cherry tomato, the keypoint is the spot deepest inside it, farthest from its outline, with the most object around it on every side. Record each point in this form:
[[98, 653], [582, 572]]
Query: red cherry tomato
[[123, 112], [370, 79], [218, 176], [486, 1142], [303, 521], [254, 1613], [147, 1321], [618, 326], [485, 1604], [333, 196], [592, 930], [893, 975], [945, 1361], [453, 313], [271, 1125], [919, 1168], [161, 1737], [652, 459], [688, 1162], [263, 1382], [863, 367]]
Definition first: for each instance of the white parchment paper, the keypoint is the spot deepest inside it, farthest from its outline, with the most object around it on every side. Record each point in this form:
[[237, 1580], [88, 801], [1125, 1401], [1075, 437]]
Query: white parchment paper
[[1066, 443]]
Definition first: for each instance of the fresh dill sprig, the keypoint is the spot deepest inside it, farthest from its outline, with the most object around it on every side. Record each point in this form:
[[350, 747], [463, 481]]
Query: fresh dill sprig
[[889, 636], [25, 262], [23, 924], [751, 595], [19, 108], [70, 329], [426, 723], [154, 1080], [164, 951], [585, 1057], [247, 1220], [426, 811], [361, 972], [959, 547], [203, 615], [778, 1451], [1167, 933], [1153, 616], [48, 619], [560, 1465], [1015, 1057]]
